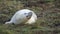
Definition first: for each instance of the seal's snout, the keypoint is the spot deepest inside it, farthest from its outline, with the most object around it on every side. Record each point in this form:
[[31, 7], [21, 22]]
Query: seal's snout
[[29, 15]]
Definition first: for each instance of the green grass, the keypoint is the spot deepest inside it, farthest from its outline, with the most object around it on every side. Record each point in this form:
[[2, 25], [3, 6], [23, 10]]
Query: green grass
[[44, 24]]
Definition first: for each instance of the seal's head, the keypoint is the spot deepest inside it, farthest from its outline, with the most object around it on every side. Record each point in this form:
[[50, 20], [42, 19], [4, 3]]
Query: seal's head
[[28, 15]]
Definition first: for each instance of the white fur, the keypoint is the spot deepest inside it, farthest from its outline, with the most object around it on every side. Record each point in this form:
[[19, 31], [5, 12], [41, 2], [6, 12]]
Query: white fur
[[19, 17]]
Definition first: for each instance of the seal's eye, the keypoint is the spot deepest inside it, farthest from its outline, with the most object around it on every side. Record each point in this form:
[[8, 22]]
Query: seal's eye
[[25, 13]]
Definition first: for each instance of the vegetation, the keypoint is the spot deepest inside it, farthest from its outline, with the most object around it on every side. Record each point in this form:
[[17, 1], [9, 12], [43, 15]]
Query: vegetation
[[48, 12]]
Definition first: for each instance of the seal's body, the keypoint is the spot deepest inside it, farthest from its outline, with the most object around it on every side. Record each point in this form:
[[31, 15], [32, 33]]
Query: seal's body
[[24, 15]]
